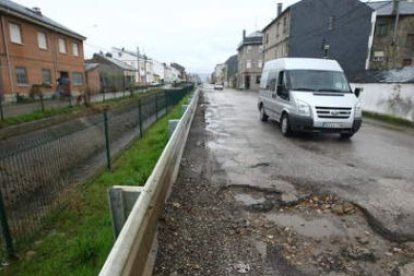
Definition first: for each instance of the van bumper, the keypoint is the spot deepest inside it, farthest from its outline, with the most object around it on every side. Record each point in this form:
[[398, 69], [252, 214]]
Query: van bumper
[[305, 124]]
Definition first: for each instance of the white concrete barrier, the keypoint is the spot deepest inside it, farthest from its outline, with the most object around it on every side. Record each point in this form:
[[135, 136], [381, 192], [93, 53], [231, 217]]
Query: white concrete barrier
[[130, 252], [388, 98]]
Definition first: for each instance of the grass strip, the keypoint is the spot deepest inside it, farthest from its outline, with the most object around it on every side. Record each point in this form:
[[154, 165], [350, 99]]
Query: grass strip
[[388, 119], [78, 239]]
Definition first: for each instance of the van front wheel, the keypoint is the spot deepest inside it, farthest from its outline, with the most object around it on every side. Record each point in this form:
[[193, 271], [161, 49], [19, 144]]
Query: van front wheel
[[263, 115], [285, 125]]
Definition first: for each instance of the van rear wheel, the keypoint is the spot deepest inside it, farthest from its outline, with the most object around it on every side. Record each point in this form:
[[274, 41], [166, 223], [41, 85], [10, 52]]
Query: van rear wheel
[[263, 115], [285, 127]]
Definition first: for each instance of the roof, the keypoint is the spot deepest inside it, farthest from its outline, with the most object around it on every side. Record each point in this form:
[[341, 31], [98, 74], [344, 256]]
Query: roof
[[91, 66], [38, 18], [385, 8], [277, 17], [134, 54], [304, 64], [255, 38], [124, 66]]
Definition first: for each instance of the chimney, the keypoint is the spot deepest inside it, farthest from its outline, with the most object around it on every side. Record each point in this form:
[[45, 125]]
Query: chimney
[[244, 34], [279, 9], [37, 10]]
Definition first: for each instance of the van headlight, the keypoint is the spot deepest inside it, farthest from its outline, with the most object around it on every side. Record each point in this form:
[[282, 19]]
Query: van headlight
[[358, 110], [303, 109]]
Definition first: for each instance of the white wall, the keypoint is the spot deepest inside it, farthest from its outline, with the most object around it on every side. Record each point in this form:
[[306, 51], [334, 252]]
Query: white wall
[[391, 99]]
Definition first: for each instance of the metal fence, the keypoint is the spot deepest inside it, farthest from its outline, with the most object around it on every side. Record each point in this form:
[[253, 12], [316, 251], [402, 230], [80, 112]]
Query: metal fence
[[40, 103], [37, 169]]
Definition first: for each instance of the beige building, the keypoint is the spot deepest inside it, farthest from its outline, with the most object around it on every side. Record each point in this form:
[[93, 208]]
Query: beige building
[[276, 36], [250, 61]]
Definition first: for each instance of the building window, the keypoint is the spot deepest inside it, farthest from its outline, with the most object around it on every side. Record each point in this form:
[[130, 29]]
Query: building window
[[277, 29], [248, 64], [46, 76], [75, 49], [260, 64], [42, 40], [21, 75], [331, 23], [285, 25], [258, 79], [382, 28], [410, 41], [407, 62], [77, 78], [15, 33], [267, 38], [62, 46], [378, 56]]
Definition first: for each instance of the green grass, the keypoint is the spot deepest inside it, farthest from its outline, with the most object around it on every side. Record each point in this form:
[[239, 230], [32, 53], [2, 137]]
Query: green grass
[[37, 115], [78, 239], [388, 119]]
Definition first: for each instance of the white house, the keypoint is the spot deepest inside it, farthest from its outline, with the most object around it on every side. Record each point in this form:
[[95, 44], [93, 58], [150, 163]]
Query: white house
[[142, 64]]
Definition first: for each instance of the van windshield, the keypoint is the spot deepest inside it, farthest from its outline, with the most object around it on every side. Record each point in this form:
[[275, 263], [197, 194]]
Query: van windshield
[[318, 81]]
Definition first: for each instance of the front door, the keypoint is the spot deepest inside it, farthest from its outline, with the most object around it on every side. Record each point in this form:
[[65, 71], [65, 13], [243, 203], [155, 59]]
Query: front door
[[247, 82]]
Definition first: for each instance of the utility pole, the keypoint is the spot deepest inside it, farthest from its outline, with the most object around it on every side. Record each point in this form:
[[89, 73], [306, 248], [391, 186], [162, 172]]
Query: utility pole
[[396, 11], [139, 75]]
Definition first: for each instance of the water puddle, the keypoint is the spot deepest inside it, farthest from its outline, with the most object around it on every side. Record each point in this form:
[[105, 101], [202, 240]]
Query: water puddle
[[315, 228], [248, 199]]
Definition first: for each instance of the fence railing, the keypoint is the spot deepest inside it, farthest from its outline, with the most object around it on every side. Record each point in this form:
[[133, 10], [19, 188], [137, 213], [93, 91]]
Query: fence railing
[[37, 169], [42, 103]]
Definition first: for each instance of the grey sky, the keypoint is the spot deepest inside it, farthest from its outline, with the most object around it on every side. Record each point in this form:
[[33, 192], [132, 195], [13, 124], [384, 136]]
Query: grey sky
[[197, 34]]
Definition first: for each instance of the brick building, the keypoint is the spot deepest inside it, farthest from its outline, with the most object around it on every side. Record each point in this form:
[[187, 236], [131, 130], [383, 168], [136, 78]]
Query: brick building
[[34, 49], [107, 74], [250, 59]]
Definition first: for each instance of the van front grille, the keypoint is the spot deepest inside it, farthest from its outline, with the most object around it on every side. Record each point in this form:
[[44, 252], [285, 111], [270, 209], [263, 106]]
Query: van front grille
[[333, 112]]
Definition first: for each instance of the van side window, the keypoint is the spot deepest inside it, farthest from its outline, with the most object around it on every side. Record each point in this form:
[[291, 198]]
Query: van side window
[[271, 81], [281, 79]]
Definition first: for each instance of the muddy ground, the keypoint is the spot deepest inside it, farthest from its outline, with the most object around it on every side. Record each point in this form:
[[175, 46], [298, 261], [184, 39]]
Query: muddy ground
[[212, 226]]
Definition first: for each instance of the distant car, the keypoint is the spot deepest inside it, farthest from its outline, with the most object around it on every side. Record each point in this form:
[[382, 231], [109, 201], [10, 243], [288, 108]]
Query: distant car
[[218, 86]]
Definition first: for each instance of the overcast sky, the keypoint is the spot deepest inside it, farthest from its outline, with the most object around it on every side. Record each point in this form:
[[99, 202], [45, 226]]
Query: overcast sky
[[197, 34]]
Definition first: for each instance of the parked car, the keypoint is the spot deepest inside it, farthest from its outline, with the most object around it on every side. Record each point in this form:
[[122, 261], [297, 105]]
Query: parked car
[[218, 86], [309, 95]]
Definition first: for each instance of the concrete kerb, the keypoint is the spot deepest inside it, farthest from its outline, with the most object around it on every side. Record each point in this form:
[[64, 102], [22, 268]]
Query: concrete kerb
[[130, 251]]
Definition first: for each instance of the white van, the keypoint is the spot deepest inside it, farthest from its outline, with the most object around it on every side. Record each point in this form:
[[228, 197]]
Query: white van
[[309, 95]]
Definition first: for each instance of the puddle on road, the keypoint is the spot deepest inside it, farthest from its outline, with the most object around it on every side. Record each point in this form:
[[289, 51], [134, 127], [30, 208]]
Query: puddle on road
[[248, 199], [315, 228]]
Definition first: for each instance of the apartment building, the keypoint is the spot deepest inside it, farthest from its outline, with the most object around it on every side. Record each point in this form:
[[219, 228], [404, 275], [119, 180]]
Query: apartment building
[[35, 49], [250, 61]]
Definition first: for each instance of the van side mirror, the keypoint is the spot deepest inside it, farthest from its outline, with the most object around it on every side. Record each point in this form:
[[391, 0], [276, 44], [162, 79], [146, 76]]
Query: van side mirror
[[358, 91]]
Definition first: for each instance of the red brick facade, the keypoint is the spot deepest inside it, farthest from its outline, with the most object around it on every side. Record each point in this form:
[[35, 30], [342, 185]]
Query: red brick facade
[[36, 61]]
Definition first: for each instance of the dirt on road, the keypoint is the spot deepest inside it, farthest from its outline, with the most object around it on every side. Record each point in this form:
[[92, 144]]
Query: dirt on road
[[213, 227]]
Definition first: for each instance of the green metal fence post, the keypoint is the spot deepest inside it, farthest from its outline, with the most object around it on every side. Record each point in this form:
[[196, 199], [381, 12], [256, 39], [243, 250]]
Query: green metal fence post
[[166, 101], [140, 118], [1, 108], [42, 104], [156, 107], [5, 232], [108, 153]]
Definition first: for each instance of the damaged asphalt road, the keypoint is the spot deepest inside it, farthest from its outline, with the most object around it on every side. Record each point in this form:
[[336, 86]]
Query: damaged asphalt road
[[250, 201]]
